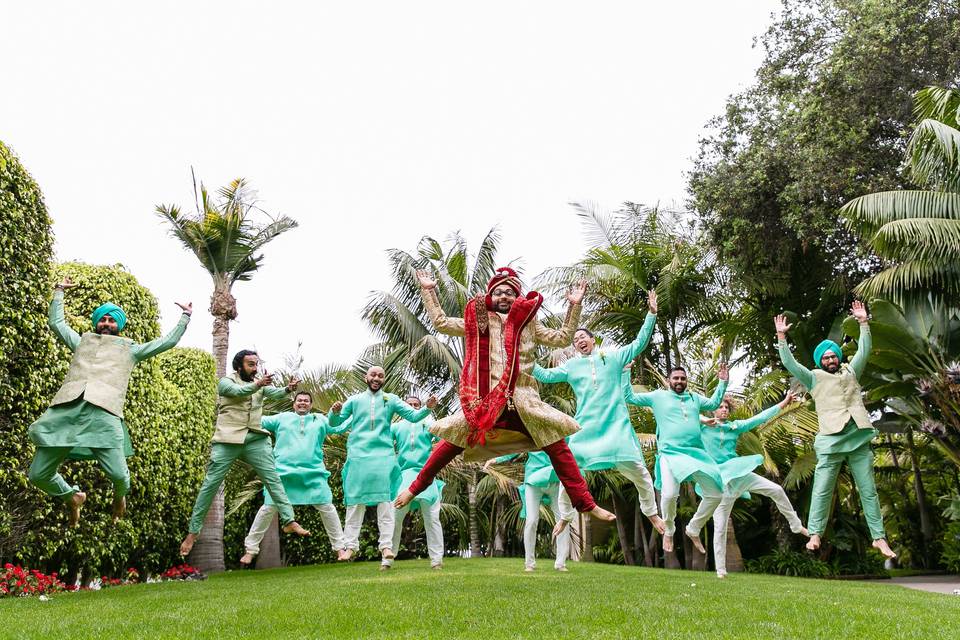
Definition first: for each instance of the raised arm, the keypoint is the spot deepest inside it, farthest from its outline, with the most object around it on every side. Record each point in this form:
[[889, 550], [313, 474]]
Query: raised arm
[[58, 321], [711, 403], [407, 412], [747, 424], [564, 335], [796, 369], [626, 354], [441, 322], [169, 341], [865, 344], [230, 389], [552, 375], [339, 413]]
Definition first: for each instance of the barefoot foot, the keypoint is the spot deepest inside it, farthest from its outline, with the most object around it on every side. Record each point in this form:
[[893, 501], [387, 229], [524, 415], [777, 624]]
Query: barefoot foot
[[74, 503], [697, 544], [387, 554], [658, 524], [247, 559], [294, 527], [814, 543], [667, 543], [528, 569], [602, 514], [803, 532], [403, 499], [345, 555], [881, 545], [187, 545], [119, 508]]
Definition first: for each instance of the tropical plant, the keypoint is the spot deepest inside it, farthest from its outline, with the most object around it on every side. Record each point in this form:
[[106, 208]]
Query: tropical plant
[[224, 235]]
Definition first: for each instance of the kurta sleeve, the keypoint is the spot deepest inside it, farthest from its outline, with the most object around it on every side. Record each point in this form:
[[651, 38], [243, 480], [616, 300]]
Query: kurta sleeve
[[275, 393], [797, 370], [58, 322], [158, 346], [639, 399], [711, 403], [626, 355], [564, 335], [441, 321], [747, 424], [864, 345], [339, 428], [230, 389], [336, 419], [270, 423], [552, 375], [407, 412]]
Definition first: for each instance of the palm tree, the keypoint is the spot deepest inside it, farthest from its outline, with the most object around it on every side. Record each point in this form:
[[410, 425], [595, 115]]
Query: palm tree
[[917, 232], [224, 236]]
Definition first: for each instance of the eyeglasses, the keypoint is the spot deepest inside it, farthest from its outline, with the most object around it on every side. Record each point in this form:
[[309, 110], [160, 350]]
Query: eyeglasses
[[510, 293]]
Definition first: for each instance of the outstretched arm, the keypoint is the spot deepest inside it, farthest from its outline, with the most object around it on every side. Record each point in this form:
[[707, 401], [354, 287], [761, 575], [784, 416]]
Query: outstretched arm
[[169, 341], [230, 389], [627, 354], [339, 412], [796, 369], [407, 412], [441, 322], [865, 344], [563, 336], [748, 424], [270, 423], [550, 376], [714, 401], [58, 321]]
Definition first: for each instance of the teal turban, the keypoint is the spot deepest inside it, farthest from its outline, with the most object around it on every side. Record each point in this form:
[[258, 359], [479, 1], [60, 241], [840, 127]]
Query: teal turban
[[112, 310], [823, 347]]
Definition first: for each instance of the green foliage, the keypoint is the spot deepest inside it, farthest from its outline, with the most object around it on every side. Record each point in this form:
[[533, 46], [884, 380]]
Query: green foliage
[[168, 412], [27, 370], [790, 563], [950, 556]]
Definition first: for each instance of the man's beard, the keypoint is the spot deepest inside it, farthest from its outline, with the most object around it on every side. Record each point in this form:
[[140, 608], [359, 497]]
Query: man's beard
[[371, 383], [246, 377], [107, 330], [832, 368], [679, 387]]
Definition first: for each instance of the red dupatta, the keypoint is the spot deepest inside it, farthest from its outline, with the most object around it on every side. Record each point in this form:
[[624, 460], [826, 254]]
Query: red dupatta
[[482, 406]]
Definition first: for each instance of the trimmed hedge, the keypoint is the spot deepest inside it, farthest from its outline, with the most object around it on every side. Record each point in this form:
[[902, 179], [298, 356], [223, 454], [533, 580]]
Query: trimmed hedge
[[168, 412]]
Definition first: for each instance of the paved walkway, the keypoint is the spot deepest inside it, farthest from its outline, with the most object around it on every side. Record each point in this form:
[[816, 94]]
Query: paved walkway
[[935, 584]]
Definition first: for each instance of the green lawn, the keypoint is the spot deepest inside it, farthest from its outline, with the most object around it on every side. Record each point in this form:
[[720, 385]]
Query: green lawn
[[488, 599]]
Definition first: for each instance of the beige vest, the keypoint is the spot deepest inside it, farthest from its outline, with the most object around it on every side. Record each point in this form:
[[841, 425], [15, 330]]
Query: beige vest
[[839, 397], [100, 371], [236, 416]]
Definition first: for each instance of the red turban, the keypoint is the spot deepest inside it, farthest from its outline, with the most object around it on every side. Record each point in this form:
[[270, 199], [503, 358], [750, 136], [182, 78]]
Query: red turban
[[503, 276]]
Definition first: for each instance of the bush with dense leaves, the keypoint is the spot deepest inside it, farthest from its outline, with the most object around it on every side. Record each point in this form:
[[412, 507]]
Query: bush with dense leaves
[[790, 563]]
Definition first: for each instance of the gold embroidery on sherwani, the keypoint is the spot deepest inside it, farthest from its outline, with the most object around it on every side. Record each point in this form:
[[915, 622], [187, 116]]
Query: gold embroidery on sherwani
[[545, 424]]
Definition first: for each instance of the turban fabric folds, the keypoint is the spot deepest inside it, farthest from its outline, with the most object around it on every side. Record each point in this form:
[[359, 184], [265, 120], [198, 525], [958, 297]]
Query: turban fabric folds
[[822, 348], [112, 310], [503, 276]]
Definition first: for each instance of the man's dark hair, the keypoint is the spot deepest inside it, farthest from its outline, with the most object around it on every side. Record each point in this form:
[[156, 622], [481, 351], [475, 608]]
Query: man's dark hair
[[586, 331], [303, 393], [412, 397], [678, 368], [240, 355]]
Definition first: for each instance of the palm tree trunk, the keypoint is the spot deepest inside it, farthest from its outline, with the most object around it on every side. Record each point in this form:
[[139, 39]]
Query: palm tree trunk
[[223, 308], [207, 554], [270, 557], [926, 525], [620, 509], [734, 557], [587, 555], [475, 549], [499, 529]]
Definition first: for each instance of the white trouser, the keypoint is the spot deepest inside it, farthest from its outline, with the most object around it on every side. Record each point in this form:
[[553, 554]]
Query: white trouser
[[431, 527], [328, 514], [670, 494], [636, 472], [755, 484], [354, 520], [531, 500]]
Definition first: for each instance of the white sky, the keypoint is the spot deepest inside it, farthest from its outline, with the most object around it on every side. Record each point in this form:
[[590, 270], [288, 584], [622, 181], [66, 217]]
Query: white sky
[[371, 123]]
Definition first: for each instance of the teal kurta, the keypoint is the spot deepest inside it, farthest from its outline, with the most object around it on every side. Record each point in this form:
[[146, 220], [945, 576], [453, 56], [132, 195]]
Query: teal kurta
[[606, 436], [720, 441], [678, 436], [414, 443], [298, 452], [537, 472], [371, 474], [80, 424]]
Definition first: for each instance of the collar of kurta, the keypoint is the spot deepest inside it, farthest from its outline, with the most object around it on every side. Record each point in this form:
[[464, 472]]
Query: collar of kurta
[[481, 405]]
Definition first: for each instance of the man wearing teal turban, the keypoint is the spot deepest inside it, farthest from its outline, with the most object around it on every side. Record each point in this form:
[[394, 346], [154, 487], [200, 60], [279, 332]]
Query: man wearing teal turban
[[845, 427], [85, 418]]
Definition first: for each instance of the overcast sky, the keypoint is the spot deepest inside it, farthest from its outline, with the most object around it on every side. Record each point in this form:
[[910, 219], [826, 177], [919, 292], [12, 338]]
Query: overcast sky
[[370, 123]]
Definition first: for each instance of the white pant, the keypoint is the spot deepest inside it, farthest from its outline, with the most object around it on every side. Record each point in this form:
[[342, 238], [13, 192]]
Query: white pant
[[328, 514], [670, 494], [354, 520], [755, 484], [431, 527], [634, 471], [531, 500]]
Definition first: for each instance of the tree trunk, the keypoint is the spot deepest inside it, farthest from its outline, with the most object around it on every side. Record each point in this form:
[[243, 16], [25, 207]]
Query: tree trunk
[[926, 525], [270, 557], [223, 308], [475, 549], [620, 510], [207, 554], [499, 529], [587, 521], [734, 558]]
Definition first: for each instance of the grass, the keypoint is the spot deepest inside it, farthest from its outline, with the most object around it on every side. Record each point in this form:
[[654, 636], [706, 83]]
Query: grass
[[488, 599]]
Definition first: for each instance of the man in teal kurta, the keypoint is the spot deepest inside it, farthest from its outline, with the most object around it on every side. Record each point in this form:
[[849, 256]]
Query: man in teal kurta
[[681, 456], [606, 439], [298, 451], [845, 428], [414, 443], [720, 440], [371, 475], [85, 418], [239, 435], [540, 485]]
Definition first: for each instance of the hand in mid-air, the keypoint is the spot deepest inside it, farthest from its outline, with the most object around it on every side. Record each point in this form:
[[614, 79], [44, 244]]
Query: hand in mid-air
[[425, 280], [336, 407], [652, 301], [788, 399], [293, 384], [431, 402], [577, 290], [724, 372], [66, 283], [265, 379], [187, 308], [782, 326], [859, 311]]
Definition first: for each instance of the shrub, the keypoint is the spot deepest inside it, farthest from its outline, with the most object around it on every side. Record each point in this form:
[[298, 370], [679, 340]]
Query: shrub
[[950, 556], [790, 563]]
